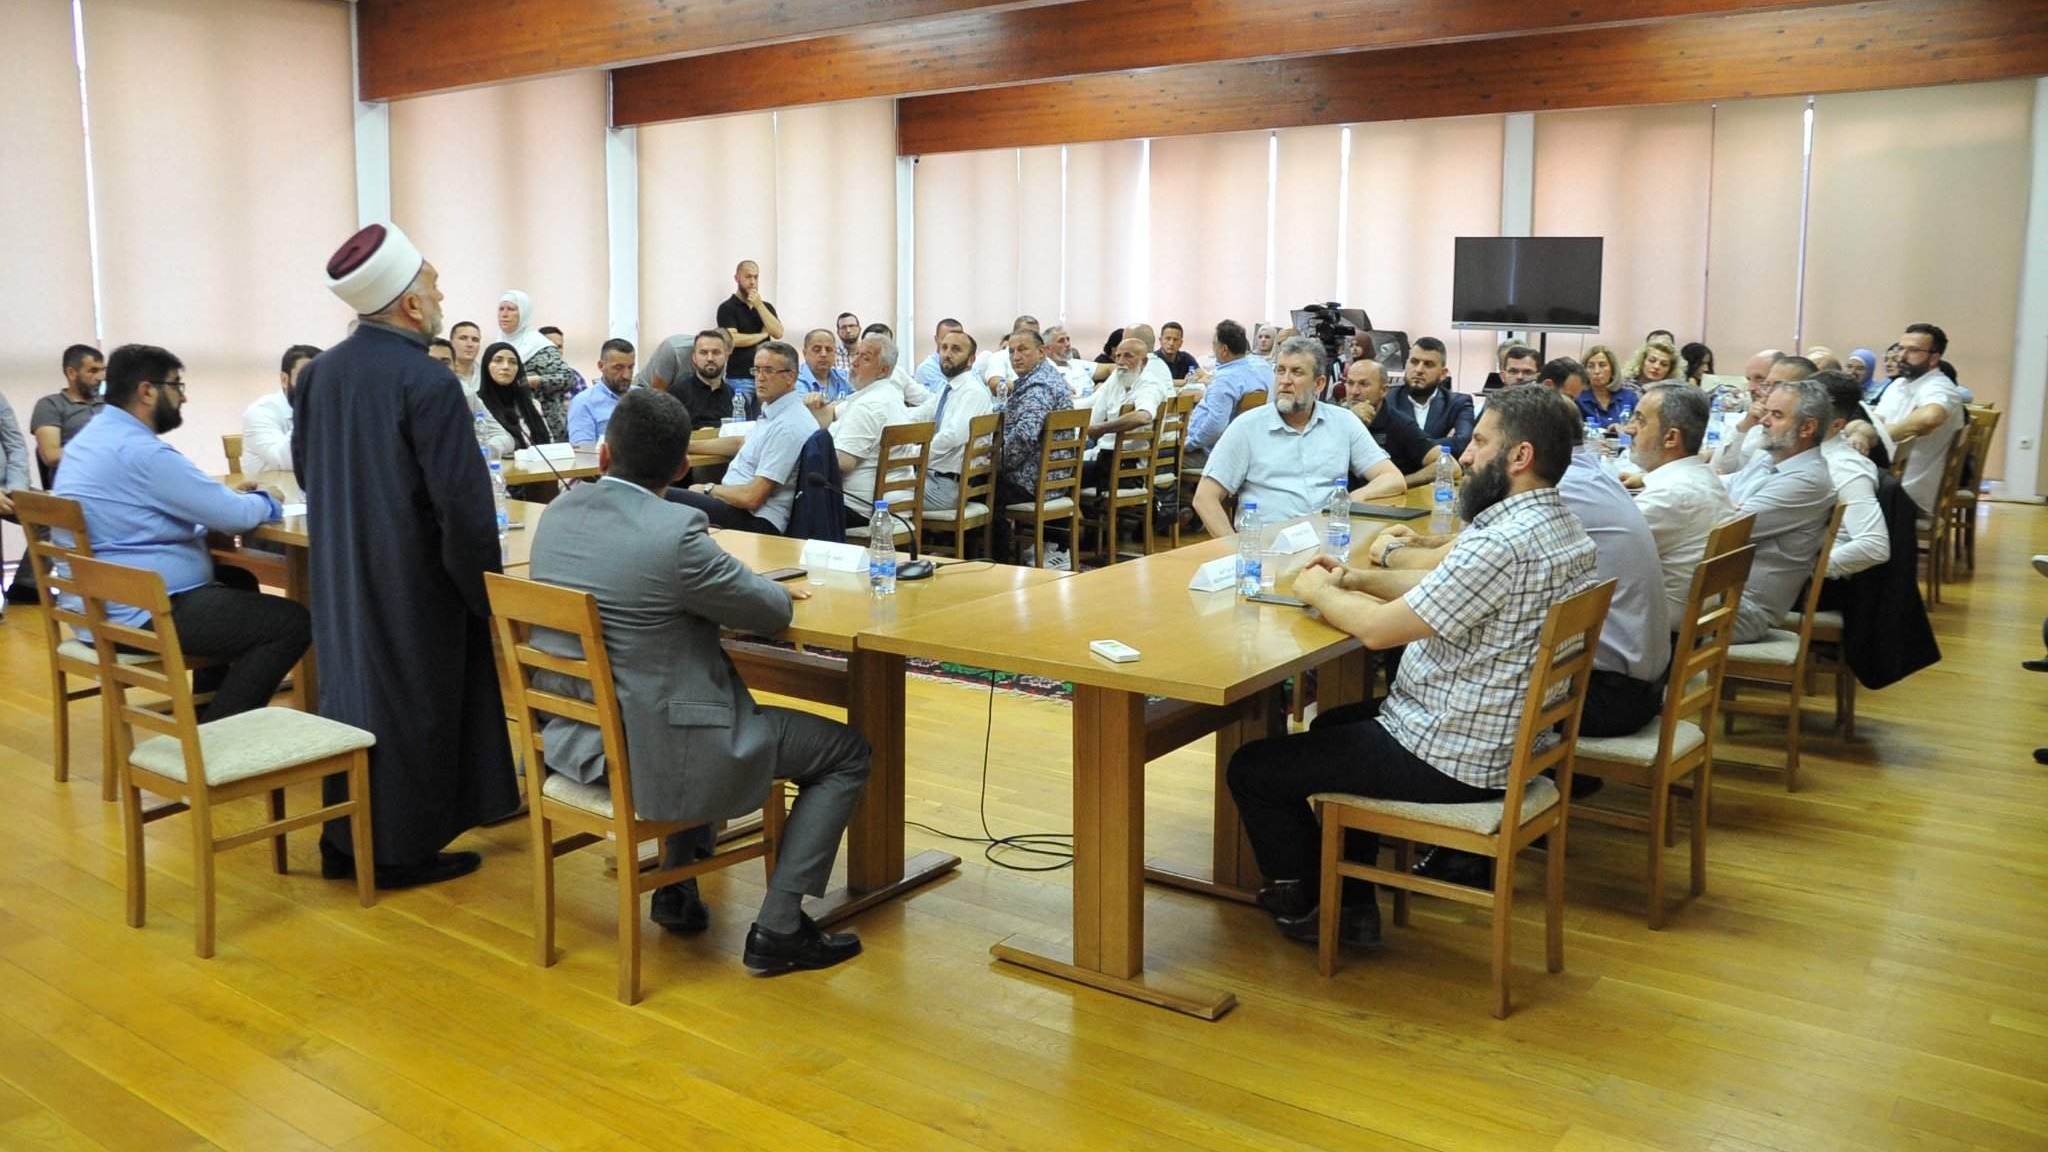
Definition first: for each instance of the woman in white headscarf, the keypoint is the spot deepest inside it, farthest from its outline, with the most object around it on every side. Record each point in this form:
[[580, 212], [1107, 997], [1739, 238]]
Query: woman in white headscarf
[[547, 374]]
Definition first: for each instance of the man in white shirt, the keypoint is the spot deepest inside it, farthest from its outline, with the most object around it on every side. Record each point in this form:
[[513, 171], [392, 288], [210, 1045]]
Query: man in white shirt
[[1140, 380], [1864, 540], [953, 410], [1747, 432], [1923, 403], [928, 375], [267, 424], [914, 391], [857, 422], [993, 367], [1077, 372], [1682, 499]]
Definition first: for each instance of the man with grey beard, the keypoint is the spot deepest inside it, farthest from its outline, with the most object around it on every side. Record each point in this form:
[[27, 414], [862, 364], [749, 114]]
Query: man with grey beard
[[1788, 487]]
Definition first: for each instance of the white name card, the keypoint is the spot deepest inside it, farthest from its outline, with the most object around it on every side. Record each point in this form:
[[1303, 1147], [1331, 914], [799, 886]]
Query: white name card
[[531, 457], [1215, 576], [835, 557], [1296, 537], [735, 428]]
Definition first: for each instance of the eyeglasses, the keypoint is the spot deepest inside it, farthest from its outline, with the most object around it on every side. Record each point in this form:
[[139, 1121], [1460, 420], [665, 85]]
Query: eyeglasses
[[180, 385]]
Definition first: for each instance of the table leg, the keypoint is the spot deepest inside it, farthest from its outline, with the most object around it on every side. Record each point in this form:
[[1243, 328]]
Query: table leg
[[1345, 680], [875, 867], [1108, 949], [298, 583], [1233, 873]]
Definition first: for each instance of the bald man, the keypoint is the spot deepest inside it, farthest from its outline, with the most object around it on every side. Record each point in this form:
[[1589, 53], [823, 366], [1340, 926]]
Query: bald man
[[750, 321]]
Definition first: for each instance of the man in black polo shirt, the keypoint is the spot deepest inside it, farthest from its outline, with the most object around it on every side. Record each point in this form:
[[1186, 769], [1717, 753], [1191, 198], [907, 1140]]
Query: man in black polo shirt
[[750, 321], [1365, 393]]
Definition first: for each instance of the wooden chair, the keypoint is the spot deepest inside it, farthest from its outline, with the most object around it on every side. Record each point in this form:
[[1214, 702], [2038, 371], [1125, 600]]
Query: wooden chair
[[1673, 747], [589, 813], [1932, 532], [1729, 535], [1982, 430], [198, 766], [231, 444], [1533, 805], [902, 457], [972, 508], [1059, 482], [1168, 436], [1247, 402], [1777, 664], [1131, 473]]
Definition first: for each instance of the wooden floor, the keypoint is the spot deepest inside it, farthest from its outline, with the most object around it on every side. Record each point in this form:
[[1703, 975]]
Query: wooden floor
[[1868, 970]]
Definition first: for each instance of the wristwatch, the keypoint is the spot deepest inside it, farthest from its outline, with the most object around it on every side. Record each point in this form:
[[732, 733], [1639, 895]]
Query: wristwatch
[[1394, 544]]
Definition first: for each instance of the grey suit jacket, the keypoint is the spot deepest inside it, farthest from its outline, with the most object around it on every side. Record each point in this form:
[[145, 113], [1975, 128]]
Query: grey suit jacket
[[700, 748]]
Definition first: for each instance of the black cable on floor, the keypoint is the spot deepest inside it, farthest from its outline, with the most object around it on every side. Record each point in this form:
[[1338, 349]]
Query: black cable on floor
[[1057, 845]]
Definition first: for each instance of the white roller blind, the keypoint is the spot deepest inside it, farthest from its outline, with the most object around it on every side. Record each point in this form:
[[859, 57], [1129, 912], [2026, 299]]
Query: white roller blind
[[707, 202], [969, 232], [1306, 190], [835, 213], [1208, 228], [1753, 254], [1108, 281]]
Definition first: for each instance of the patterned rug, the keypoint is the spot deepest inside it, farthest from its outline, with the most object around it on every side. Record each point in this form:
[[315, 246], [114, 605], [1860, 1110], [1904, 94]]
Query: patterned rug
[[1005, 681]]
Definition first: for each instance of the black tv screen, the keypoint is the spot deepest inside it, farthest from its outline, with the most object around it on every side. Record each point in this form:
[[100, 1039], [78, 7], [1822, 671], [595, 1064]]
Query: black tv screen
[[1531, 282]]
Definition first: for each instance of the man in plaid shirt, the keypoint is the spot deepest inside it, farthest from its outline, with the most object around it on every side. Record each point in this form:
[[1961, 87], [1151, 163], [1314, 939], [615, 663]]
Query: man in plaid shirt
[[1445, 732]]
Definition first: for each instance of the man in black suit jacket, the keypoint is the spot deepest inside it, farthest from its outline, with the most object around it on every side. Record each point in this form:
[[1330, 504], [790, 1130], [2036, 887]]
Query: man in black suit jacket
[[1445, 415]]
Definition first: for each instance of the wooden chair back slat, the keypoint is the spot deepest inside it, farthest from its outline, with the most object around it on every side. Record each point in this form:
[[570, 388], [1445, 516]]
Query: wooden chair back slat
[[97, 583], [231, 446], [903, 457], [1556, 695], [1059, 457], [1701, 654], [1729, 535]]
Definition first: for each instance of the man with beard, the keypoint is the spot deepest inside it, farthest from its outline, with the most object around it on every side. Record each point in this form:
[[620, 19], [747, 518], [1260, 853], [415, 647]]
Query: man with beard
[[1445, 732], [267, 424], [953, 411], [1764, 371], [398, 507], [703, 389], [147, 506], [1443, 415], [1286, 454], [1365, 394], [1681, 498], [1923, 403], [1788, 487]]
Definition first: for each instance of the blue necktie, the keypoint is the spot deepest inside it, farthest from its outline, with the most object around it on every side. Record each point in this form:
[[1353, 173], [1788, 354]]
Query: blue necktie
[[945, 394]]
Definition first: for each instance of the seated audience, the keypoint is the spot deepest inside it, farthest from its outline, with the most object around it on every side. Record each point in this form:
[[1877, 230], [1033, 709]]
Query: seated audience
[[1881, 382], [760, 484], [847, 329], [1788, 487], [1925, 405], [1037, 394], [1264, 338], [1764, 372], [703, 388], [856, 423], [1178, 362], [1605, 402], [58, 417], [467, 341], [576, 382], [928, 375], [1287, 454], [993, 368], [1238, 374], [592, 408], [1682, 500], [500, 441], [1140, 381], [267, 424], [507, 398], [546, 374], [1654, 363], [1445, 733], [1862, 365], [665, 592], [1365, 394], [1602, 369], [1077, 372], [1699, 361], [1664, 334], [147, 506], [953, 411], [820, 372], [1519, 364], [1824, 358], [1864, 541], [1564, 376], [1444, 415], [914, 393]]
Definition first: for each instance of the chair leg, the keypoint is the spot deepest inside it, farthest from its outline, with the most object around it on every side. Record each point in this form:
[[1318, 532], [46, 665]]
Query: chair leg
[[1792, 726], [360, 832], [60, 725], [277, 856], [1553, 901], [773, 813], [1404, 860], [202, 881], [131, 835], [629, 925], [1038, 540], [1845, 690], [1662, 828], [110, 771], [1503, 927], [1702, 777], [543, 839], [1327, 908]]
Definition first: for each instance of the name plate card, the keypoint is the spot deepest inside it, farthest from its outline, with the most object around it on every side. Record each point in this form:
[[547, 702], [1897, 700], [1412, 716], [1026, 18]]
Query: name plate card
[[1215, 576], [835, 557], [1296, 537]]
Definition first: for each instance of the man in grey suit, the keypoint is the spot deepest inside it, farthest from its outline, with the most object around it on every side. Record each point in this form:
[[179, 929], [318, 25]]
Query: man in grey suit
[[701, 748]]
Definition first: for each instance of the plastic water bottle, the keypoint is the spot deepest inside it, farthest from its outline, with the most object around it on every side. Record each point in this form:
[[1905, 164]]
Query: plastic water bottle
[[1337, 525], [882, 551], [1714, 433], [483, 437], [1249, 565], [1443, 509], [501, 501]]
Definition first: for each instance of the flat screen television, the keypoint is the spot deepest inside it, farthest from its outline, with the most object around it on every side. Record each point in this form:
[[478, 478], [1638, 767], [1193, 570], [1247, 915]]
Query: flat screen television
[[1540, 283]]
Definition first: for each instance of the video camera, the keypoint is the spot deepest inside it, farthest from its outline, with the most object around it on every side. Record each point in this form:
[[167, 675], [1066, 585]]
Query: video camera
[[1348, 332]]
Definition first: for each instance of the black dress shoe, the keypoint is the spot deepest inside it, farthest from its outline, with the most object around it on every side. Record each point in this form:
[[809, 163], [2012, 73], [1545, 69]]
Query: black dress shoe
[[1287, 898], [679, 909], [2040, 665], [390, 878], [809, 947], [1455, 867], [1358, 926], [2041, 755]]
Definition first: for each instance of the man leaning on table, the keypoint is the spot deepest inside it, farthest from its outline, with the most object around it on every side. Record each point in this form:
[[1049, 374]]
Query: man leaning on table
[[1445, 732], [701, 748], [1288, 454]]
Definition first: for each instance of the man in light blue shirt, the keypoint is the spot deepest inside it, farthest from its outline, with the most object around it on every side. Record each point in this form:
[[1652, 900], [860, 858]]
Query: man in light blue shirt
[[1238, 374], [147, 506], [819, 372], [929, 375], [592, 408], [760, 484], [1288, 454]]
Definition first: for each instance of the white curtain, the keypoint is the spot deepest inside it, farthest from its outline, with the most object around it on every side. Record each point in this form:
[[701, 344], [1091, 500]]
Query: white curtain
[[1208, 231], [969, 235], [1307, 249], [707, 202], [835, 214], [1109, 280], [1753, 249]]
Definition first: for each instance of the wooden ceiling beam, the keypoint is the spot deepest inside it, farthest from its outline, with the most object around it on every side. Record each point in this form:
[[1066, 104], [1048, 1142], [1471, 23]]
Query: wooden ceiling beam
[[414, 47], [1842, 48], [984, 48]]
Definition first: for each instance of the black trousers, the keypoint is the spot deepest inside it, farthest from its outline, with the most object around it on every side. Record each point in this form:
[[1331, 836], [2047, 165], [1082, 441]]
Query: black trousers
[[723, 515], [260, 637], [1618, 704], [1345, 750]]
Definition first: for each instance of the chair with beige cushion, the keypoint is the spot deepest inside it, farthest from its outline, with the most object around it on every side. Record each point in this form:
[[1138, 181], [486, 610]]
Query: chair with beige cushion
[[1776, 665], [1983, 431], [1934, 532], [1129, 489], [1679, 743], [1533, 806], [901, 458], [1168, 437], [594, 813], [1059, 482], [972, 507], [199, 766]]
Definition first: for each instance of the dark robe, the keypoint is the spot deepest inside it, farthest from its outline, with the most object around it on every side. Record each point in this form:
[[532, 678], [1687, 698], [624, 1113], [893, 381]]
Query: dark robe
[[398, 507]]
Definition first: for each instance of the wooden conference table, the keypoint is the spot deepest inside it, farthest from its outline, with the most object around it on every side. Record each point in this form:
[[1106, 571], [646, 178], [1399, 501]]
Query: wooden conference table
[[868, 683], [1217, 660]]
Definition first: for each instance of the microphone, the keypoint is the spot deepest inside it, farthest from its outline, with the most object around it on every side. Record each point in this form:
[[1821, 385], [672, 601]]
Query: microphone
[[911, 569]]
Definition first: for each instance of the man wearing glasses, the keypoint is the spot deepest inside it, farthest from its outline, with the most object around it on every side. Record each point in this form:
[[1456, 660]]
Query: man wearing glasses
[[1923, 403], [148, 506], [760, 484]]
